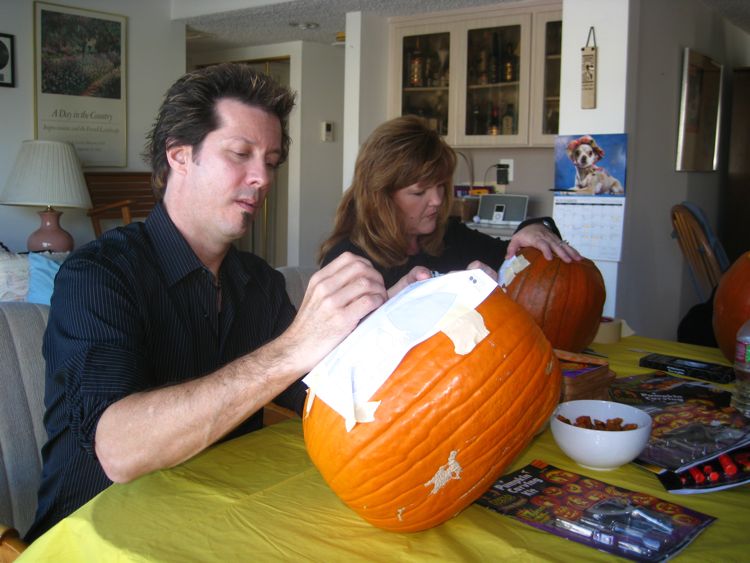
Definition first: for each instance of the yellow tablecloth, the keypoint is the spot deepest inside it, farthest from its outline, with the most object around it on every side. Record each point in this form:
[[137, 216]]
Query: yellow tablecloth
[[259, 498]]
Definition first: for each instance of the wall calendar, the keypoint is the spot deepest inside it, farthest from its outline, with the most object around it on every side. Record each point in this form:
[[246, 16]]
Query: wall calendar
[[592, 224]]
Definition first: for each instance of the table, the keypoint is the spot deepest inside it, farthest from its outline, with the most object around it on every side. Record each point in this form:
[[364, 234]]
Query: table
[[503, 232], [260, 498]]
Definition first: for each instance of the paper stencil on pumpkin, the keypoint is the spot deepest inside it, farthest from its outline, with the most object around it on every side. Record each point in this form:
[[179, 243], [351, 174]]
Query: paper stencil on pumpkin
[[348, 377]]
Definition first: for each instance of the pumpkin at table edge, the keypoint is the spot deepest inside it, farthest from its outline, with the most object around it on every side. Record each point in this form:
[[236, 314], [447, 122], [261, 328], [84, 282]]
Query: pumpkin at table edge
[[732, 304], [447, 425], [565, 299]]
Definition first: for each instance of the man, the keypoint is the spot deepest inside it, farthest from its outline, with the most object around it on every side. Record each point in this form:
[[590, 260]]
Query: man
[[162, 337]]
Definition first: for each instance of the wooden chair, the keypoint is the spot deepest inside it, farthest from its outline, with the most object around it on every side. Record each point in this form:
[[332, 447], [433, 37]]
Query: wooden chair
[[119, 195], [702, 251], [11, 545]]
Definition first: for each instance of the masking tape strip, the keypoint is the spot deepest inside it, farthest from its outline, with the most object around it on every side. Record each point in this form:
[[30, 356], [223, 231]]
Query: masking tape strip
[[610, 331], [465, 330]]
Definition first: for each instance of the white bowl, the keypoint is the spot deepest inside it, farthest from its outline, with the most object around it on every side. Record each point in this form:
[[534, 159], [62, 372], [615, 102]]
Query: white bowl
[[600, 449]]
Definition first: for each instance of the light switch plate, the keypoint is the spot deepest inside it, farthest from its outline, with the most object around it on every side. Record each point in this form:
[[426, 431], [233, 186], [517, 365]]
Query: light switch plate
[[326, 131]]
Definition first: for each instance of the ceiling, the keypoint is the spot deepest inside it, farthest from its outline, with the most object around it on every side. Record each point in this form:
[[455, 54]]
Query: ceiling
[[271, 23], [267, 24]]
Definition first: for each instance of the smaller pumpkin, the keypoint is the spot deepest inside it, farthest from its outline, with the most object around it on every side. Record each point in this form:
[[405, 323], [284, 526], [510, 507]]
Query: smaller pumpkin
[[566, 299], [732, 304]]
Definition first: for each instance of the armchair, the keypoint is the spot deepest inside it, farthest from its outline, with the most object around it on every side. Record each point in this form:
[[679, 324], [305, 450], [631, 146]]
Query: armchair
[[21, 412], [22, 431]]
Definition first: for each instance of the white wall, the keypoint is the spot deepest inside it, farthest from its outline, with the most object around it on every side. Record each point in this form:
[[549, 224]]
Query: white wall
[[156, 57], [365, 95], [654, 287], [610, 20], [316, 73], [321, 99]]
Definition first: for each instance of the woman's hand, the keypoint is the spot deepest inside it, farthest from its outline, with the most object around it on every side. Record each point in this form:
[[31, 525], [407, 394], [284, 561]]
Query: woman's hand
[[540, 237], [477, 265], [417, 273]]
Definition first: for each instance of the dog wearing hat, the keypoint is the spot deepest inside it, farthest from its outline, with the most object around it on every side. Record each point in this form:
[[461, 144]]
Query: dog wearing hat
[[584, 153]]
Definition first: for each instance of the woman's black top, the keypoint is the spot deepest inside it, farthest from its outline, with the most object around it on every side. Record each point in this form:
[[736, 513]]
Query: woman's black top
[[462, 246]]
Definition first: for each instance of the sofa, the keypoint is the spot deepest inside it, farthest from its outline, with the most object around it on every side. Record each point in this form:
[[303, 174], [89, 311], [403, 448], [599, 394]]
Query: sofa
[[22, 433]]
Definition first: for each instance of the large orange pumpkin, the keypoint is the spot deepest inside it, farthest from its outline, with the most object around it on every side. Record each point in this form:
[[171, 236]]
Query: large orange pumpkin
[[565, 299], [732, 304], [446, 427]]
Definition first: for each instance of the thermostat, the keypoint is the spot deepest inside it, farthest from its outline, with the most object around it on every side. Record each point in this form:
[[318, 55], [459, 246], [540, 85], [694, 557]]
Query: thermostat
[[326, 131]]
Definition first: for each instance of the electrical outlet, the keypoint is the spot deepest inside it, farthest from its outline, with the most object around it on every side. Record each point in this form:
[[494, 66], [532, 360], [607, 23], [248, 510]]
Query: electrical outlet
[[509, 163]]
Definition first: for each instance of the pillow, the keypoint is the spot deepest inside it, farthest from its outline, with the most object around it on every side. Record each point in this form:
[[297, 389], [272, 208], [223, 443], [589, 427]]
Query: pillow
[[42, 271], [14, 276]]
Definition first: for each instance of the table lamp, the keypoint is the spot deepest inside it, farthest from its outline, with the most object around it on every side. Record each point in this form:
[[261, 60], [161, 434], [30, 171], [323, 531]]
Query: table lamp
[[47, 173]]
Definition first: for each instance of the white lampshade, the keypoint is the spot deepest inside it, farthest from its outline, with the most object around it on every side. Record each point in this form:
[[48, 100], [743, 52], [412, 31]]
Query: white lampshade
[[46, 173]]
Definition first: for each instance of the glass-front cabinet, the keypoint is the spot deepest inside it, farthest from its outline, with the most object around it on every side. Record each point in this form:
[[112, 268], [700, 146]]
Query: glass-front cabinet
[[470, 77], [494, 93], [545, 114], [426, 78]]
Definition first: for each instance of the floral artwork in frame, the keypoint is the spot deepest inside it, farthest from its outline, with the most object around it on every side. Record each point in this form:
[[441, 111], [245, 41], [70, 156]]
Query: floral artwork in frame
[[81, 81]]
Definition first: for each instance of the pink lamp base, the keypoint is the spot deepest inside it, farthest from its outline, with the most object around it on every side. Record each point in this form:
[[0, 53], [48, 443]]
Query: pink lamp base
[[50, 236]]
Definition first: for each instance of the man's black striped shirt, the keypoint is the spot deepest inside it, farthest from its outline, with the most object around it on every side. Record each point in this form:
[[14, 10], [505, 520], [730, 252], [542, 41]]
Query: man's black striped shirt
[[132, 311]]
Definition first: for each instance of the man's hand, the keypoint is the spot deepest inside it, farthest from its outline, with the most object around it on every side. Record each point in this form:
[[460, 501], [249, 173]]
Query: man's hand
[[337, 298], [164, 426], [540, 237]]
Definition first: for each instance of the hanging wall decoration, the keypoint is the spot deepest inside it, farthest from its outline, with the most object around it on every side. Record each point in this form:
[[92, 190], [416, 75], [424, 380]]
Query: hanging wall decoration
[[7, 60], [588, 72], [700, 112], [81, 81]]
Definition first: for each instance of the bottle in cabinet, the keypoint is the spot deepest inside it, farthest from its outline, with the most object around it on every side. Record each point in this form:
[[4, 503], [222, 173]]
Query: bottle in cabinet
[[508, 122], [510, 64], [493, 59], [475, 127], [550, 101], [416, 67], [493, 120]]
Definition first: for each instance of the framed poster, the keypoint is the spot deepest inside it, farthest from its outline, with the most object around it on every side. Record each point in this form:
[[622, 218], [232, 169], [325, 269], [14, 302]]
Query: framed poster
[[80, 76], [7, 60], [700, 113]]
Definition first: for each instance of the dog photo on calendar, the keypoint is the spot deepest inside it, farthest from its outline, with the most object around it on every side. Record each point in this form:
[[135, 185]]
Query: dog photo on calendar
[[588, 164]]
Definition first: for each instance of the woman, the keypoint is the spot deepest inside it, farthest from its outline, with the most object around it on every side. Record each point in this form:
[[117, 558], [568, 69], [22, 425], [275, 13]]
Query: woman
[[396, 211]]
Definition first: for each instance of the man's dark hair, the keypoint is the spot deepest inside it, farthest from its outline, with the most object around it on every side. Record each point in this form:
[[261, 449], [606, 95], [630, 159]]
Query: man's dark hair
[[188, 112]]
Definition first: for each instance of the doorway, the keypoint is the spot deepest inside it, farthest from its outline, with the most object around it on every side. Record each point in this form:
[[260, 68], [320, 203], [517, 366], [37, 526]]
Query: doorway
[[268, 236]]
